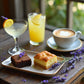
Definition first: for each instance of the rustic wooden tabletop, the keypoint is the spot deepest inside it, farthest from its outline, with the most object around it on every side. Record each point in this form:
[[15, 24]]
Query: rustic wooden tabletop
[[11, 76]]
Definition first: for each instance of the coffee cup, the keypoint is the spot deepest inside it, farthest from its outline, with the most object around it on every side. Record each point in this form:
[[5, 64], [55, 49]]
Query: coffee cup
[[64, 37]]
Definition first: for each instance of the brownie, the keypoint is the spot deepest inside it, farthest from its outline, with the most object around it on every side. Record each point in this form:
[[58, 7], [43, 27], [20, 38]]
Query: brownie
[[23, 61]]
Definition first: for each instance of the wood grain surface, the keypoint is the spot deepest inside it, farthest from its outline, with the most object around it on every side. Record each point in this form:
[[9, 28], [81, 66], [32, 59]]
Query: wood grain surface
[[11, 76]]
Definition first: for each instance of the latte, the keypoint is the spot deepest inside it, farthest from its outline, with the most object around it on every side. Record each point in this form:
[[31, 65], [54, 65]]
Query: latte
[[64, 38], [64, 33]]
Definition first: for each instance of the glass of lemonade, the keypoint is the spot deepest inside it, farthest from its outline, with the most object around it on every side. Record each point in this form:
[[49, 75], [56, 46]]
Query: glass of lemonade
[[36, 24], [18, 28]]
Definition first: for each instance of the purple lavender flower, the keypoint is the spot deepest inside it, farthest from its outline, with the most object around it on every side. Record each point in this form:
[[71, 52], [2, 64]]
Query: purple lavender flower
[[50, 69], [54, 77], [63, 79], [58, 80], [54, 65], [21, 54], [72, 66], [80, 57], [69, 68], [73, 59], [75, 53], [24, 80], [3, 58], [80, 52], [76, 58], [66, 75], [58, 64], [71, 53], [4, 17], [82, 49], [70, 62], [58, 77], [44, 81]]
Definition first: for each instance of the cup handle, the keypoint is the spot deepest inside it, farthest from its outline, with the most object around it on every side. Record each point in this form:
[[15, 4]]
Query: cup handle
[[78, 34]]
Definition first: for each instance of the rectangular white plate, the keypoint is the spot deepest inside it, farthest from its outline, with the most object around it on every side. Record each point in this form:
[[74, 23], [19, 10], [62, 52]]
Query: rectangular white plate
[[33, 69]]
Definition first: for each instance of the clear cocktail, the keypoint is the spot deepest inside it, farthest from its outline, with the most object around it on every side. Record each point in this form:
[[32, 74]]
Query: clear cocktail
[[15, 28], [36, 28]]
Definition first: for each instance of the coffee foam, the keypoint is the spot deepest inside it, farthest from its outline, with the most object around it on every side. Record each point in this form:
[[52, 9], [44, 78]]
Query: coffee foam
[[64, 33]]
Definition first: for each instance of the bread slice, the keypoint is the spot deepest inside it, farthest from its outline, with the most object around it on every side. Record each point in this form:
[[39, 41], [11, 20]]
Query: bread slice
[[45, 59]]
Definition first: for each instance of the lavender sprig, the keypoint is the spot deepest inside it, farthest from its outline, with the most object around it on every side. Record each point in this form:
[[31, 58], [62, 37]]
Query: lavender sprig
[[55, 80], [78, 52], [54, 66], [4, 17]]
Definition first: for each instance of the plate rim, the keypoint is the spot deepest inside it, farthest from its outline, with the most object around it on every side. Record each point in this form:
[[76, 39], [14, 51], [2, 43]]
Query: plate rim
[[43, 74], [81, 43]]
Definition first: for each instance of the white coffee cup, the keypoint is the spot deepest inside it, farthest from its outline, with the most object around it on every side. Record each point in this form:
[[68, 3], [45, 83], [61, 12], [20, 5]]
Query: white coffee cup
[[64, 37]]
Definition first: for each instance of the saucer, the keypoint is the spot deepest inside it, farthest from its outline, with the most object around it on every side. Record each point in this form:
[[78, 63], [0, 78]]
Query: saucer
[[76, 45]]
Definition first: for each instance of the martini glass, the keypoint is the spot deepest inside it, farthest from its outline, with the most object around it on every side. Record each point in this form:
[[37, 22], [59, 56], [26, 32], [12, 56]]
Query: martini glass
[[17, 29]]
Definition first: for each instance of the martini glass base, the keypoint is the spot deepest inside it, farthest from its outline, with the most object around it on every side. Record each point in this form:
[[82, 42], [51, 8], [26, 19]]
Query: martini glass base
[[13, 51]]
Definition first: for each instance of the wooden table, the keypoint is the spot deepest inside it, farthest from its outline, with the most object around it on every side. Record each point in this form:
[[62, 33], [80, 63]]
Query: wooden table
[[10, 76]]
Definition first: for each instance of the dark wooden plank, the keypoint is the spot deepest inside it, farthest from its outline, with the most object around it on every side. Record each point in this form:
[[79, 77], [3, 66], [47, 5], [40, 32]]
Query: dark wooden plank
[[3, 35]]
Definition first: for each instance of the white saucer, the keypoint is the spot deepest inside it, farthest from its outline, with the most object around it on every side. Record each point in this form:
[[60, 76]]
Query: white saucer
[[76, 45]]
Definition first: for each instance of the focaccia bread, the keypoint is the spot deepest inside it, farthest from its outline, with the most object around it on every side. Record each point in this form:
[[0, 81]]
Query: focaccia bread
[[45, 59]]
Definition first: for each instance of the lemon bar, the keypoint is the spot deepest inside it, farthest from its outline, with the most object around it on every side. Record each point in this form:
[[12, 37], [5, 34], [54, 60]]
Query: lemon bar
[[45, 59]]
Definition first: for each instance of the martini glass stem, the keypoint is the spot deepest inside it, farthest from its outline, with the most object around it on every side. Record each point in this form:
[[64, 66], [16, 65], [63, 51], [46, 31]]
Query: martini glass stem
[[16, 48]]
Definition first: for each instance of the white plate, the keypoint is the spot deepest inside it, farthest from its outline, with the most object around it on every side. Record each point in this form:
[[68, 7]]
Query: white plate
[[33, 69], [76, 45]]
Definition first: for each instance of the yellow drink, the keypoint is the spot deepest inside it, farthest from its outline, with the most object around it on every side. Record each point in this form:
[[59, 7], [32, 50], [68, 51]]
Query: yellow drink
[[36, 27]]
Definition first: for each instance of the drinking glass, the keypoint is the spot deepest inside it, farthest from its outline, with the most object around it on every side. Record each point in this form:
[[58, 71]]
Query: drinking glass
[[18, 28], [36, 24]]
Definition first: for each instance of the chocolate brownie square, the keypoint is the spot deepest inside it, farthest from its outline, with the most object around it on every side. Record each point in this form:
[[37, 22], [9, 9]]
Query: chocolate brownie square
[[21, 60]]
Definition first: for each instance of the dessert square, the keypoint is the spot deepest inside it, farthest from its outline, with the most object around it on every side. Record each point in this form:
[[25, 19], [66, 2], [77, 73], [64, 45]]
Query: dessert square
[[45, 59], [21, 60]]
